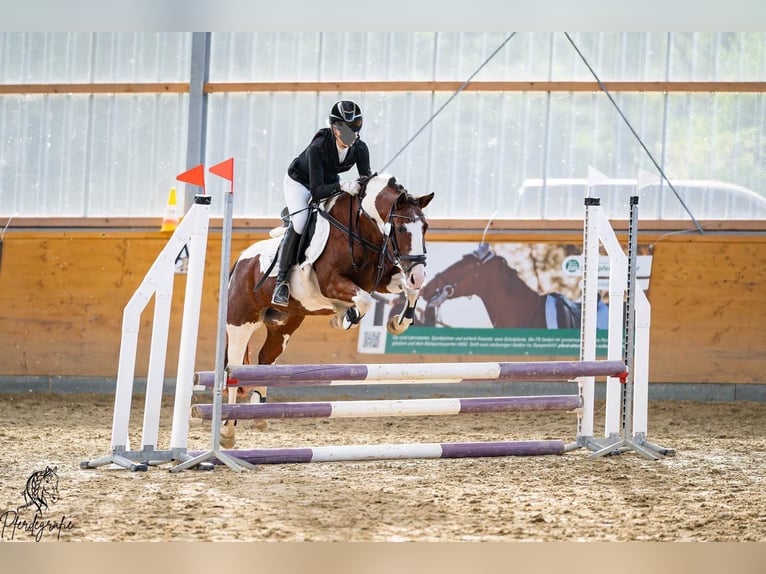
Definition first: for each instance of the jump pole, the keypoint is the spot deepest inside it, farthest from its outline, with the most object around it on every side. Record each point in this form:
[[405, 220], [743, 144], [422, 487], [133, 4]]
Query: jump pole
[[283, 375], [398, 451], [390, 408], [324, 374]]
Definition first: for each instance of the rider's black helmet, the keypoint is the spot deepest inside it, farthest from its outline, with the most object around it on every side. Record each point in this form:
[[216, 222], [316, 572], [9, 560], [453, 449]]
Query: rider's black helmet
[[346, 113]]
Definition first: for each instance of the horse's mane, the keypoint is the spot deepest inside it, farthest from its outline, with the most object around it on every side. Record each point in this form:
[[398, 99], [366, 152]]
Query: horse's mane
[[383, 180], [373, 190]]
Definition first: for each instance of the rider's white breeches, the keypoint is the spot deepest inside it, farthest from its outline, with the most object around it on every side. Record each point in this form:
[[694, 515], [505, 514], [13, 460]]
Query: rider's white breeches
[[297, 197]]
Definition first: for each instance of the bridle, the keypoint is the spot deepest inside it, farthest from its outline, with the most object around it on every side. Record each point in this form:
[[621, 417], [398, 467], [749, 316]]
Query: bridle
[[388, 250], [404, 262]]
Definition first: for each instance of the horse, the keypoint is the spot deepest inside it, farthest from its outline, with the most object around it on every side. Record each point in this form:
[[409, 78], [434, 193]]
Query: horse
[[510, 302], [355, 245]]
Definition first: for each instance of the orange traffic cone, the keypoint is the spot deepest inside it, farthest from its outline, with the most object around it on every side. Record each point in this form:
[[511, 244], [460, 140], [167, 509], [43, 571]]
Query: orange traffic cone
[[170, 221]]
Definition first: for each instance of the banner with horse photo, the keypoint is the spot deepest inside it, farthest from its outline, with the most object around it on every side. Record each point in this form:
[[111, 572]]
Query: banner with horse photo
[[497, 299]]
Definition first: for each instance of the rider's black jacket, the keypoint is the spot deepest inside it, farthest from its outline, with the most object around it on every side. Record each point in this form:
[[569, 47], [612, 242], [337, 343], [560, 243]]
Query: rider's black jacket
[[317, 167]]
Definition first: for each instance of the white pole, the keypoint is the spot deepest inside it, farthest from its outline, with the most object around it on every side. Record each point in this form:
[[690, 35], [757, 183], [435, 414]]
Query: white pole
[[641, 364], [220, 354], [200, 212], [163, 279], [618, 273], [126, 367], [588, 326]]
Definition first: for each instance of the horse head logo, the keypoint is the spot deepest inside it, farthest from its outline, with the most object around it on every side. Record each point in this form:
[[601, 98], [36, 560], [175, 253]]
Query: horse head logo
[[41, 488]]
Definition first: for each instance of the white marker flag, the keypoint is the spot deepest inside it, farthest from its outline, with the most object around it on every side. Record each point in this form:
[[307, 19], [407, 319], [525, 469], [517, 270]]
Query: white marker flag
[[595, 177]]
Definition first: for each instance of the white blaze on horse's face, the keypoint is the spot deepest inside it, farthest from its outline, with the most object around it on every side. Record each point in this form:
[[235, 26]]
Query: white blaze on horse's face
[[417, 275]]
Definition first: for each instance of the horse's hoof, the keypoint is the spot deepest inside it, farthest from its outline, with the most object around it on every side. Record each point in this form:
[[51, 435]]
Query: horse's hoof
[[227, 435], [260, 425], [228, 441], [337, 322], [394, 327]]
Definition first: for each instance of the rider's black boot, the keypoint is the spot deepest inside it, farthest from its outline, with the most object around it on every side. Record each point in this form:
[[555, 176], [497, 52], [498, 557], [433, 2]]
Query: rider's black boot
[[286, 255]]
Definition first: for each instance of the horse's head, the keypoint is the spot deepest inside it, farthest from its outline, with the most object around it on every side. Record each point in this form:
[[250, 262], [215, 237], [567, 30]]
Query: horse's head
[[399, 216], [459, 279]]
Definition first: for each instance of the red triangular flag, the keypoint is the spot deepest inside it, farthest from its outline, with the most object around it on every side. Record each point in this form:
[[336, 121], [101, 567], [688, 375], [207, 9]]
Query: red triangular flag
[[195, 176], [225, 169]]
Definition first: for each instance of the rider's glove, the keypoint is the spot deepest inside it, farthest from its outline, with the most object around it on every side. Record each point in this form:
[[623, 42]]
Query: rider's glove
[[350, 187]]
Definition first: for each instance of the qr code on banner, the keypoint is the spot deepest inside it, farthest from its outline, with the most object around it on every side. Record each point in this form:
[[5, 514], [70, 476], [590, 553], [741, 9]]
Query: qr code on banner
[[371, 340]]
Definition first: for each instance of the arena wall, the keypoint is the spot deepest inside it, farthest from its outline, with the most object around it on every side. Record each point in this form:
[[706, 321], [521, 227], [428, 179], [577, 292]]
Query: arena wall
[[62, 292]]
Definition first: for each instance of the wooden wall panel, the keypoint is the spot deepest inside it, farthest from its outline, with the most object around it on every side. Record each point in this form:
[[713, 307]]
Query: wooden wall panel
[[708, 311], [62, 295]]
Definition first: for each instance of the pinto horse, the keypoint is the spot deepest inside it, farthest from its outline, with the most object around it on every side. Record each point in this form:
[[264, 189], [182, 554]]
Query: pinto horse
[[509, 301], [374, 241]]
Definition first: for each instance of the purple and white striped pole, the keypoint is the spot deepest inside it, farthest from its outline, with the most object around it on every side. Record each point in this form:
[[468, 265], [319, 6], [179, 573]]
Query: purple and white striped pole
[[390, 408], [317, 374], [397, 451]]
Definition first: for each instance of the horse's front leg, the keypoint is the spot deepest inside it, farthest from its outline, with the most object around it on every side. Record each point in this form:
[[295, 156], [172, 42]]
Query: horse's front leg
[[399, 324], [361, 301]]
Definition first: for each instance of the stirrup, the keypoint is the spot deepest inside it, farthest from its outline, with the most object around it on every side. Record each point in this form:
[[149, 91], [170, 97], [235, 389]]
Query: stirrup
[[281, 294]]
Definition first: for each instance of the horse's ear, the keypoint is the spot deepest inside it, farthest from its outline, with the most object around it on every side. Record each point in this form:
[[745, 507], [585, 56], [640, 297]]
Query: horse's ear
[[391, 182], [424, 200]]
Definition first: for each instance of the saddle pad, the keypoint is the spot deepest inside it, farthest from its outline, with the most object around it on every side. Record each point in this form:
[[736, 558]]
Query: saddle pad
[[313, 251], [318, 241]]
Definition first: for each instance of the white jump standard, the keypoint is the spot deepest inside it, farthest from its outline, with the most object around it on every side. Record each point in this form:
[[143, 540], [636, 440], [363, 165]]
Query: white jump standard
[[192, 232]]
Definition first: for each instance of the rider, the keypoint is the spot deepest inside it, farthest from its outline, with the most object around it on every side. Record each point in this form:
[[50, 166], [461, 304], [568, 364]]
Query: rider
[[313, 175]]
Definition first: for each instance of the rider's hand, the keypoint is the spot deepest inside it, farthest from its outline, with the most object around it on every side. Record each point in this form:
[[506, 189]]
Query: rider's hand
[[350, 187]]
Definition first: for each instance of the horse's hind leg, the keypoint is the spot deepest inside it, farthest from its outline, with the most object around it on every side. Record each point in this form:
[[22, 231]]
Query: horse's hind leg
[[238, 337], [278, 333]]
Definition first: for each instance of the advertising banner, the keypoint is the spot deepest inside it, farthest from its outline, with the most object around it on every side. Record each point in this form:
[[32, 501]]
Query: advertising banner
[[520, 299]]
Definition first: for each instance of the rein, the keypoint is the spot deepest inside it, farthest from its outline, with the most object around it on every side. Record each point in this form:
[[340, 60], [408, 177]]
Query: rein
[[353, 236], [382, 251]]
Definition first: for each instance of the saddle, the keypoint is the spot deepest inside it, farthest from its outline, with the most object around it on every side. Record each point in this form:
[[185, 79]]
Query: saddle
[[311, 225], [308, 232]]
